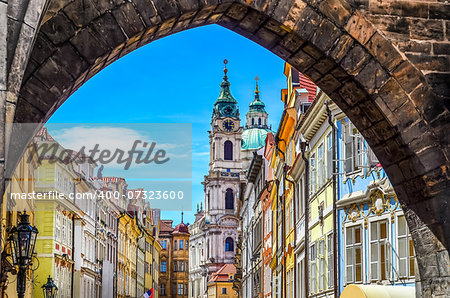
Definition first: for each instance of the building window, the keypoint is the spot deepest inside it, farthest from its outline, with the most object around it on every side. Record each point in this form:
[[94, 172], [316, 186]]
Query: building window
[[353, 148], [320, 166], [353, 244], [180, 289], [330, 246], [57, 225], [229, 199], [175, 267], [163, 289], [175, 246], [181, 244], [164, 244], [70, 233], [313, 269], [259, 121], [405, 250], [379, 256], [280, 235], [228, 150], [229, 244], [180, 266], [321, 261], [313, 173], [300, 199], [371, 157], [288, 284], [330, 155], [292, 294], [164, 266], [224, 291]]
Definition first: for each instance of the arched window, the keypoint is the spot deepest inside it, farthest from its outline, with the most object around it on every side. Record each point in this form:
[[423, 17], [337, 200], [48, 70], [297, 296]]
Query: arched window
[[253, 121], [228, 150], [229, 199], [259, 121], [229, 244]]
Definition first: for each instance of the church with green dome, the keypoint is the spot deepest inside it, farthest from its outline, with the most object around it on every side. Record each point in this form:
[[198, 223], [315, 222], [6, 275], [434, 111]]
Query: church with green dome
[[226, 105], [215, 230], [255, 131]]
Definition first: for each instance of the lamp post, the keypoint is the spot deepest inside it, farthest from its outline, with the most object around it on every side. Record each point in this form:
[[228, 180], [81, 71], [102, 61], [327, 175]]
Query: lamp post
[[22, 239], [49, 288]]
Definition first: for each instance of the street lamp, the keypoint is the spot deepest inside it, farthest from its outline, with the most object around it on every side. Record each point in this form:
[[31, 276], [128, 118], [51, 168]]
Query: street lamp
[[49, 288], [22, 239]]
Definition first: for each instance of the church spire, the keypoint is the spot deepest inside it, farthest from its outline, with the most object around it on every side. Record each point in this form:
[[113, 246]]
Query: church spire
[[225, 93], [226, 104], [257, 105]]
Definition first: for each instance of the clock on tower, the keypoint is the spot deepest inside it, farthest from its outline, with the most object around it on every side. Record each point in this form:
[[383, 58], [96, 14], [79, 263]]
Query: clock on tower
[[228, 125]]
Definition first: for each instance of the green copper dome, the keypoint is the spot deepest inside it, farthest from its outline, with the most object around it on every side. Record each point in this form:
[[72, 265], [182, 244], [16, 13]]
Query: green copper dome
[[255, 132], [226, 105], [254, 138], [257, 105]]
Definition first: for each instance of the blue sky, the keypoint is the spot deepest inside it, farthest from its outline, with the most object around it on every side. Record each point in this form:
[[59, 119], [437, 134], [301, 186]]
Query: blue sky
[[176, 80]]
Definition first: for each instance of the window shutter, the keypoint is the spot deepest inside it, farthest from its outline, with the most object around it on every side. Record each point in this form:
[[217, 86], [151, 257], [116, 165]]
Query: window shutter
[[330, 162], [372, 158], [359, 151], [348, 148]]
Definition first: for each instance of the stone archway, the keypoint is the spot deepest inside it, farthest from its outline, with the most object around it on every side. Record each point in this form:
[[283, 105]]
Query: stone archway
[[399, 108]]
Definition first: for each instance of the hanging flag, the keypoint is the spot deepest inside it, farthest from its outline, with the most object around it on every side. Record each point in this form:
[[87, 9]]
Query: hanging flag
[[149, 294]]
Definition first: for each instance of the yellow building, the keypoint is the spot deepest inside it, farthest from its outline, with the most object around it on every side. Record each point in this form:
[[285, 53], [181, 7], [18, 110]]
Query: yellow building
[[152, 250], [282, 195], [126, 261], [156, 261], [316, 130], [221, 283], [22, 182], [55, 211], [148, 272]]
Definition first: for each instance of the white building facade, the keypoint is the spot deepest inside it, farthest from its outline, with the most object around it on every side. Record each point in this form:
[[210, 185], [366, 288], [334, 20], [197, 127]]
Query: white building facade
[[215, 230], [214, 233]]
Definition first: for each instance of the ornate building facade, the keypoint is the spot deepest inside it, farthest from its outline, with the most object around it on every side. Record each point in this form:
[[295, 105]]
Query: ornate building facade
[[215, 230], [174, 267]]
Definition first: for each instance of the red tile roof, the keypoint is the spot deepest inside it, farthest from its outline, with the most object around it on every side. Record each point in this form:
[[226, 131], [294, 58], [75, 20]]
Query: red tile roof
[[166, 226], [181, 228], [113, 179], [306, 83], [223, 274], [43, 135]]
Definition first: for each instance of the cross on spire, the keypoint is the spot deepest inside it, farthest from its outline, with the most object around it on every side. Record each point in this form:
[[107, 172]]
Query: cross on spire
[[257, 79], [225, 62], [181, 216]]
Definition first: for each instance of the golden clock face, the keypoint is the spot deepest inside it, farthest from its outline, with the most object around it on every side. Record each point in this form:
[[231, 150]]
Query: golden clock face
[[228, 125]]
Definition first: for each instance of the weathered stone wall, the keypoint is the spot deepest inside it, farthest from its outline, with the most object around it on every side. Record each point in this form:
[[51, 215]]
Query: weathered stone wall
[[420, 29], [377, 77]]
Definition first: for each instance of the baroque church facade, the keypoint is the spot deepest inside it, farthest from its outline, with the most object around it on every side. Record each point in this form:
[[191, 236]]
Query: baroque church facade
[[214, 233]]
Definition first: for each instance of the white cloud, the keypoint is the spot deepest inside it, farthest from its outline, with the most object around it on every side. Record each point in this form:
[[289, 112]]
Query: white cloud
[[201, 153], [109, 138]]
